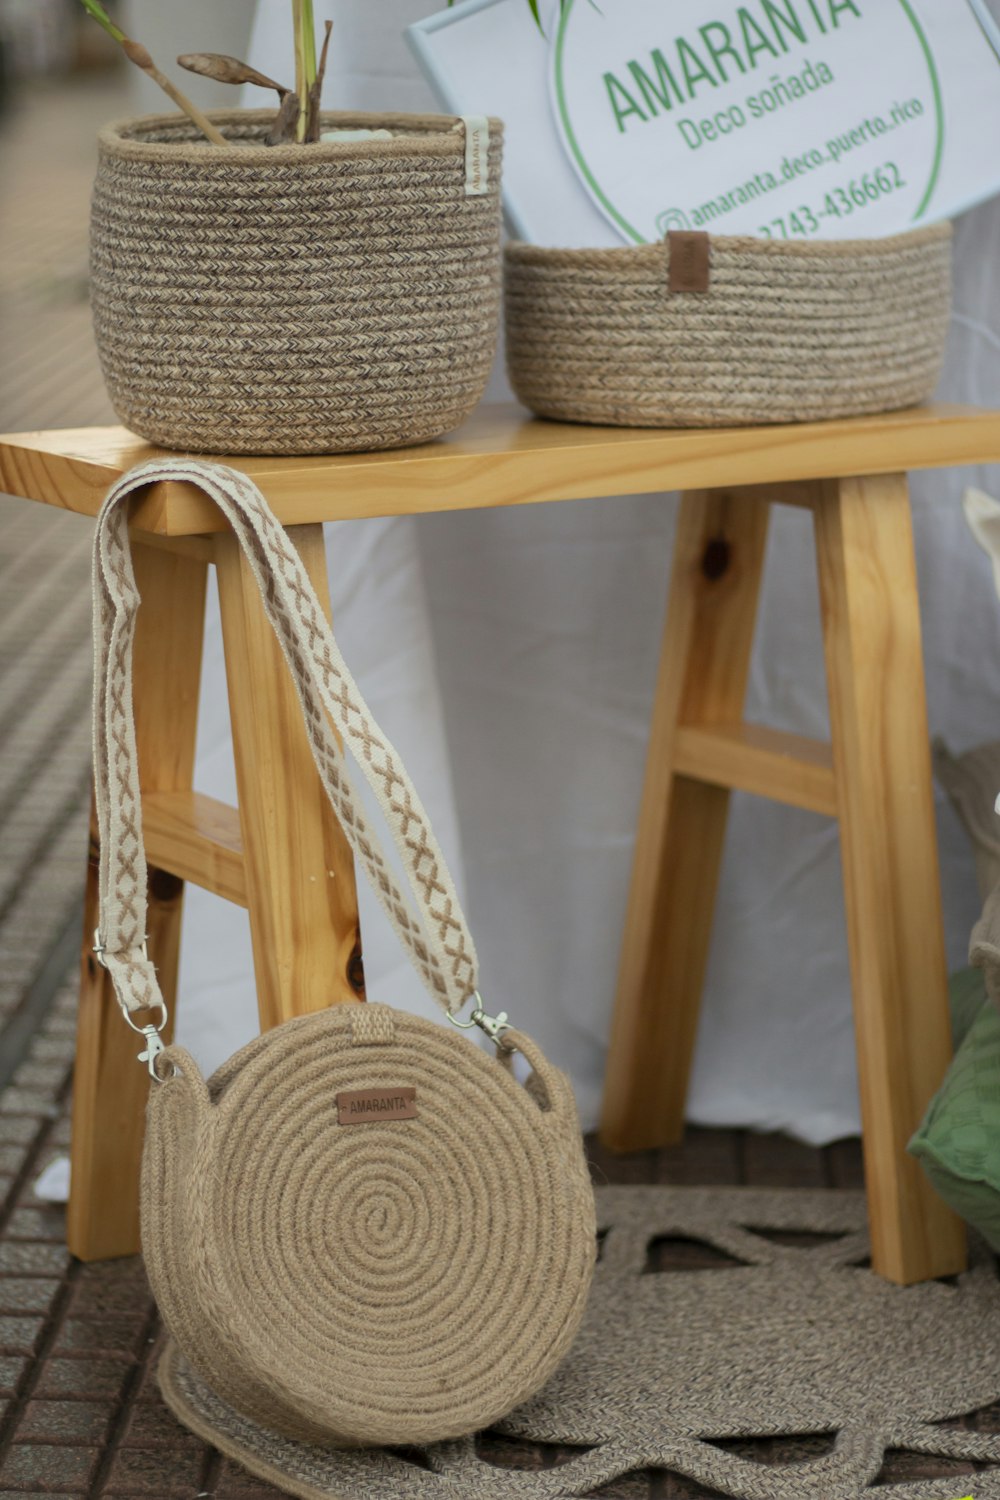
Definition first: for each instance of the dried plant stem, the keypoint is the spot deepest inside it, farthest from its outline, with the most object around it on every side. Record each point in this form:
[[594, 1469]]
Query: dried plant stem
[[285, 121], [224, 69], [139, 55]]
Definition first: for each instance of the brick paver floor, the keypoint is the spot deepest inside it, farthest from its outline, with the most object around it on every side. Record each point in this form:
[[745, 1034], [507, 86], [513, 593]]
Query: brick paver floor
[[49, 377]]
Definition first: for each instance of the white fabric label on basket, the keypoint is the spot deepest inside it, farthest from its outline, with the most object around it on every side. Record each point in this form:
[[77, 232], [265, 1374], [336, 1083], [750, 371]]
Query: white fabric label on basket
[[477, 155]]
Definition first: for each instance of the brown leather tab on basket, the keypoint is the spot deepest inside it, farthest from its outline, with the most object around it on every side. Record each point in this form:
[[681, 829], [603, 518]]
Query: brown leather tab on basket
[[365, 1106], [689, 263]]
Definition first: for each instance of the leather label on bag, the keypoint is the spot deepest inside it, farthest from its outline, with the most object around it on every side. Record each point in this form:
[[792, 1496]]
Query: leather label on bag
[[689, 267], [365, 1106]]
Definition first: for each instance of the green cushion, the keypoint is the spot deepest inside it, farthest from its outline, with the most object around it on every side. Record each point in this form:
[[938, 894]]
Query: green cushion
[[958, 1142], [966, 993]]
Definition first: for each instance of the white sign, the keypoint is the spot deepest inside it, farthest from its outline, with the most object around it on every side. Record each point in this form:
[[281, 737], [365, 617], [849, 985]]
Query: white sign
[[825, 118], [487, 57], [778, 118]]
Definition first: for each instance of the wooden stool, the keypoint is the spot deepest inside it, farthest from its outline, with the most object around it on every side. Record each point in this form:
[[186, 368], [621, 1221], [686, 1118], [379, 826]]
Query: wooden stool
[[283, 856], [876, 779]]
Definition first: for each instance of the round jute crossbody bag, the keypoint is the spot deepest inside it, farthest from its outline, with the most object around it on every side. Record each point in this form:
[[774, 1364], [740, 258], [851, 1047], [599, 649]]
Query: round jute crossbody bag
[[362, 1229]]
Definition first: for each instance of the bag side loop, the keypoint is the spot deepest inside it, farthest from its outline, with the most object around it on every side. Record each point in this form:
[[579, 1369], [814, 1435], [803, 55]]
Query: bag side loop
[[432, 925]]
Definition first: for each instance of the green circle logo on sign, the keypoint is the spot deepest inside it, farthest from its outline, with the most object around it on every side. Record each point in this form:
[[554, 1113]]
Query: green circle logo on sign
[[778, 118]]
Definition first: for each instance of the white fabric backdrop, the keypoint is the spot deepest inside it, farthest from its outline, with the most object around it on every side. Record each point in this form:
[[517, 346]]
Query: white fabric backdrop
[[510, 654]]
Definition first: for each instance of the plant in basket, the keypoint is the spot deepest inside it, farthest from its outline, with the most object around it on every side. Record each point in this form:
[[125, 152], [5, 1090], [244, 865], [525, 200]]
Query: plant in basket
[[293, 280]]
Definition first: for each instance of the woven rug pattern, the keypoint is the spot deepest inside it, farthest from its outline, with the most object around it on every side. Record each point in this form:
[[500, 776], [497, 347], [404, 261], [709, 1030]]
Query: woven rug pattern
[[787, 1333]]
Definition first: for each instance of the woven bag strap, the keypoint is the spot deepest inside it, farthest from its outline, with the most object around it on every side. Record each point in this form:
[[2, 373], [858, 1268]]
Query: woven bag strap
[[436, 934]]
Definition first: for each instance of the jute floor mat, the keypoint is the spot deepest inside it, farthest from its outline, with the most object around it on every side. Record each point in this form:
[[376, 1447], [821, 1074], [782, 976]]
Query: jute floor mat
[[777, 1329]]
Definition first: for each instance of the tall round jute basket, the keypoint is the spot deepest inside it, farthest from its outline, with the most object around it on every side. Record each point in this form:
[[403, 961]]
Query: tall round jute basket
[[779, 331], [294, 299]]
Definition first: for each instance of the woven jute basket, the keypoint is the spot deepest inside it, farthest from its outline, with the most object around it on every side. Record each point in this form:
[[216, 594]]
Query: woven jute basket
[[787, 331], [293, 299]]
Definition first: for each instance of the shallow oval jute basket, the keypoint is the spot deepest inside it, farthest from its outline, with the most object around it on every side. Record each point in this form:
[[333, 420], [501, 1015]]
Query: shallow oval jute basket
[[293, 299], [787, 331]]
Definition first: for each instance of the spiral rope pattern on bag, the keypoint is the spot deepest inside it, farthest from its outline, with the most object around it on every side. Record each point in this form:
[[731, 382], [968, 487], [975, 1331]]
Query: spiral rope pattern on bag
[[378, 1282], [786, 332]]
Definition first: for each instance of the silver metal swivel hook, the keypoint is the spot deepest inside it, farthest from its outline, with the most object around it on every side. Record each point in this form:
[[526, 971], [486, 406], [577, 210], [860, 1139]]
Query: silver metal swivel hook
[[494, 1026], [151, 1031]]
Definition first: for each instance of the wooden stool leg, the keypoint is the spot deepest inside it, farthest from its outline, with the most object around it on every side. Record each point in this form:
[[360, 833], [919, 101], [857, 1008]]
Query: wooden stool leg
[[109, 1085], [299, 868], [718, 560], [878, 715]]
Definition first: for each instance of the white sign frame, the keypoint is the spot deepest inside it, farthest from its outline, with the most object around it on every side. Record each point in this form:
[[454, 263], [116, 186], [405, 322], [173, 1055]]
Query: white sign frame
[[513, 83], [991, 30]]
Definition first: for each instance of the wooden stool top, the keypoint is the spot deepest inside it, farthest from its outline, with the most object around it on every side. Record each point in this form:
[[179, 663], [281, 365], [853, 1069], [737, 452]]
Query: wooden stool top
[[502, 456]]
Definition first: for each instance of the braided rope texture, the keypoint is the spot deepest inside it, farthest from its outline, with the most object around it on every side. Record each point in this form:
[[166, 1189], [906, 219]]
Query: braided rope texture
[[787, 332], [395, 1281], [780, 1334], [291, 299]]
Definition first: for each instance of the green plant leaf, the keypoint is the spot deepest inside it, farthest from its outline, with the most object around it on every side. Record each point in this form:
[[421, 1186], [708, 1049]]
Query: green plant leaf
[[309, 41], [100, 15]]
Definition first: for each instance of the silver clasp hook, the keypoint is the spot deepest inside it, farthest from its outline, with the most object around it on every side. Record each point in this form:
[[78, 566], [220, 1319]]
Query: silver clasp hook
[[154, 1046], [493, 1026], [151, 1031], [151, 1034]]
